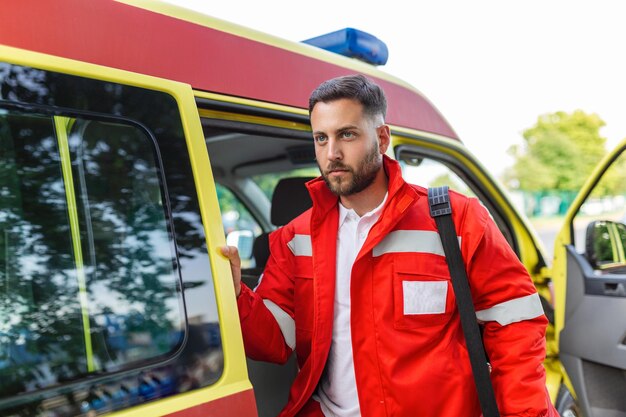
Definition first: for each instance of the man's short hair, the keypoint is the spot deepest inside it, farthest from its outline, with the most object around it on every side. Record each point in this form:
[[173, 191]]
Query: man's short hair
[[355, 87]]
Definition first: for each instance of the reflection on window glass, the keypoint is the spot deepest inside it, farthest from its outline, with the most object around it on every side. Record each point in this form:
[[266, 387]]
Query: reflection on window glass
[[606, 244], [87, 269], [607, 201], [235, 216]]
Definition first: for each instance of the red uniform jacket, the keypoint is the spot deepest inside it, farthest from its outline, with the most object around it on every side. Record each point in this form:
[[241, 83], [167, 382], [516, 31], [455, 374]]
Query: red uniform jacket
[[410, 357]]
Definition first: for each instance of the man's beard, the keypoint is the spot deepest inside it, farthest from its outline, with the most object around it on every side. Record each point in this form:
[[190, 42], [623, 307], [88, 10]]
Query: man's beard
[[361, 178]]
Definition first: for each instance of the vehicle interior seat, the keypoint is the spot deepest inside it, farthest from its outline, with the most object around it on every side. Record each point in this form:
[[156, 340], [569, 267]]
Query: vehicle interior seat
[[290, 199], [271, 382]]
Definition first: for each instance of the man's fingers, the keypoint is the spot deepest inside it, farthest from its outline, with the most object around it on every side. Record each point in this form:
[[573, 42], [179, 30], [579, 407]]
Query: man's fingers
[[232, 254]]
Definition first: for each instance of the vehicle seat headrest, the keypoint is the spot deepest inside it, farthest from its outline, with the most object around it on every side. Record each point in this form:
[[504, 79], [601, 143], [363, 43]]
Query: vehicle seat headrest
[[290, 199]]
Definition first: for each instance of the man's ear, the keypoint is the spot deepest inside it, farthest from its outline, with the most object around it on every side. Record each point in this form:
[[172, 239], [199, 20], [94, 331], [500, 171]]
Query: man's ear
[[384, 138]]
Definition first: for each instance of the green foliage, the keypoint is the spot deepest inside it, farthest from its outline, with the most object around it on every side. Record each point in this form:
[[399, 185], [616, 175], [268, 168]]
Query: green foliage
[[558, 153], [227, 200], [612, 181]]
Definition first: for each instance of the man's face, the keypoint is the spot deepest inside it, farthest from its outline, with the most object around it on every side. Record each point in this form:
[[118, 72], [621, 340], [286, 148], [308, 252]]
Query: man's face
[[346, 145]]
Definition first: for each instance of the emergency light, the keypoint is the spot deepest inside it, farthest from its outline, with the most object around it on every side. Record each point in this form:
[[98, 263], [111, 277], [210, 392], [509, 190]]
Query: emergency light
[[353, 43]]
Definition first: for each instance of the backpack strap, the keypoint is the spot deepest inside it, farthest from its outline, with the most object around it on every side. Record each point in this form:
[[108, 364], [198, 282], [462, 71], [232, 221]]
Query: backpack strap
[[441, 211]]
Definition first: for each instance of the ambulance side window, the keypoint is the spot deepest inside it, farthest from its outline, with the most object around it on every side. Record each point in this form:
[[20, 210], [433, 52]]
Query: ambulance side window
[[87, 264], [101, 237], [428, 172]]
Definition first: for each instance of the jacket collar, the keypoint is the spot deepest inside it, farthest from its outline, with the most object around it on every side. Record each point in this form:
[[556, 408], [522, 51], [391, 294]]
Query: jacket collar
[[324, 199]]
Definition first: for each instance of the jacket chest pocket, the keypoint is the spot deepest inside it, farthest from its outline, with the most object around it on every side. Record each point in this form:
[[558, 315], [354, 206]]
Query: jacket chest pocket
[[421, 299]]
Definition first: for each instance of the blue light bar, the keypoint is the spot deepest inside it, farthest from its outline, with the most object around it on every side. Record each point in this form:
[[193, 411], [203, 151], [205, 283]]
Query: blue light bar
[[353, 43]]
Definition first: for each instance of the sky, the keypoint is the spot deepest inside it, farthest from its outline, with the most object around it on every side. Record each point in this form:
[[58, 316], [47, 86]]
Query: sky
[[490, 67]]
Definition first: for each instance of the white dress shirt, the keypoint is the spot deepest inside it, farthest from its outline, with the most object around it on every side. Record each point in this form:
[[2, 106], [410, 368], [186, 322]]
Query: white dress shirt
[[337, 391]]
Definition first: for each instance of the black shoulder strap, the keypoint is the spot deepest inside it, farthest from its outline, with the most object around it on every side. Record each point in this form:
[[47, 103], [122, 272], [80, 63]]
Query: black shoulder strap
[[441, 211]]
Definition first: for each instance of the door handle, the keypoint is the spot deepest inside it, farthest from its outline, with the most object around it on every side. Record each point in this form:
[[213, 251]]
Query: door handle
[[615, 289]]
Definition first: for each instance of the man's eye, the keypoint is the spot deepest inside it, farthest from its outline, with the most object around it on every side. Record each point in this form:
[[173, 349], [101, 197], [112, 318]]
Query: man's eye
[[347, 135], [319, 139]]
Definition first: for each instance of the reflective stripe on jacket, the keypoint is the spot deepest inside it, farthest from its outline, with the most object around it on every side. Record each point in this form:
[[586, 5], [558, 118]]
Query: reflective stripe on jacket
[[409, 352]]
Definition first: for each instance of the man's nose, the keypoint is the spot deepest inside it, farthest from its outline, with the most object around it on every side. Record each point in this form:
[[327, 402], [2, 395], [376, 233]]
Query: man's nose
[[333, 150]]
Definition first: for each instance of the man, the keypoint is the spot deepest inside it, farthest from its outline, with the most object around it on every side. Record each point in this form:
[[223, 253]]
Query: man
[[359, 287]]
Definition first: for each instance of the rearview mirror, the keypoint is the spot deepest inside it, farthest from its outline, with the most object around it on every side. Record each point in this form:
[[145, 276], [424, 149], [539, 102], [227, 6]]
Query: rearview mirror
[[605, 244]]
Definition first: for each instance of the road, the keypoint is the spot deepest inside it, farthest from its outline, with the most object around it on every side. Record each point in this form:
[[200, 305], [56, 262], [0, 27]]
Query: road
[[549, 229]]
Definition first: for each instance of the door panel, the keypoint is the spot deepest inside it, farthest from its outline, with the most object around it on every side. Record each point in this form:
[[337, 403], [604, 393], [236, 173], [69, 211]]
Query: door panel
[[583, 314], [593, 348], [592, 341]]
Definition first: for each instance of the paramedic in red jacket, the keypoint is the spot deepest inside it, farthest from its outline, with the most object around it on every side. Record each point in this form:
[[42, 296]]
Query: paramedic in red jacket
[[359, 287]]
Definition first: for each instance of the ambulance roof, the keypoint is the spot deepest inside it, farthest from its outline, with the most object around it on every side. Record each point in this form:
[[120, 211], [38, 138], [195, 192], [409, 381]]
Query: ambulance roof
[[211, 55]]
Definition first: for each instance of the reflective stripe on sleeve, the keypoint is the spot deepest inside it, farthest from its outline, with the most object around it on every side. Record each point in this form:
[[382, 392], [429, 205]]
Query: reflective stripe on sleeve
[[300, 245], [512, 311], [285, 322], [420, 241], [259, 282]]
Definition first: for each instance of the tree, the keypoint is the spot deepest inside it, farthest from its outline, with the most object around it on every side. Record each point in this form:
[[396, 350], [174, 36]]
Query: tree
[[558, 153]]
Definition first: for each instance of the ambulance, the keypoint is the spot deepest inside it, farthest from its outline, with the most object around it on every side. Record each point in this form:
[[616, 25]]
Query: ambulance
[[136, 137]]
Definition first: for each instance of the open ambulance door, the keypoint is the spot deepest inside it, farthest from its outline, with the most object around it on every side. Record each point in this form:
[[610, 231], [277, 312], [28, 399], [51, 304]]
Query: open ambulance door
[[590, 291]]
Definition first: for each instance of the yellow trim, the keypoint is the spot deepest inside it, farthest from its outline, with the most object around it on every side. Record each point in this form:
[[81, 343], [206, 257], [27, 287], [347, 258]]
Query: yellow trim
[[83, 69], [235, 374], [607, 266], [266, 121], [616, 242], [559, 277], [568, 383], [183, 401], [234, 378], [614, 250], [60, 125], [250, 102], [554, 377]]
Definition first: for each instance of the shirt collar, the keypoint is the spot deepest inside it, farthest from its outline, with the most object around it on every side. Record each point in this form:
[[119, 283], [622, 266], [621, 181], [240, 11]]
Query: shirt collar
[[344, 212]]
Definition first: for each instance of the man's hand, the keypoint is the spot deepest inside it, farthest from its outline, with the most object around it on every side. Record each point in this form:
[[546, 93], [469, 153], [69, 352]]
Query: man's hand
[[232, 254]]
